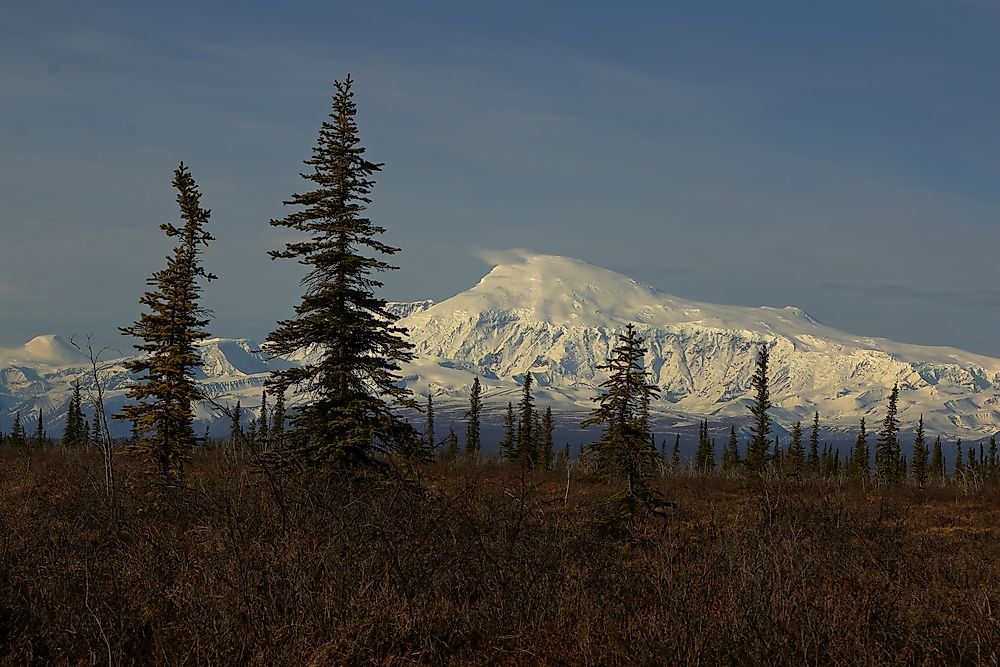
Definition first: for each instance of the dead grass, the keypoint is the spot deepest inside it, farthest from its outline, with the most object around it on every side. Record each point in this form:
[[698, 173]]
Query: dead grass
[[485, 565]]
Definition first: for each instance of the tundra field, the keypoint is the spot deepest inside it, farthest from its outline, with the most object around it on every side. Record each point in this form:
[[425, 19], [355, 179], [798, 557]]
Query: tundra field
[[487, 563]]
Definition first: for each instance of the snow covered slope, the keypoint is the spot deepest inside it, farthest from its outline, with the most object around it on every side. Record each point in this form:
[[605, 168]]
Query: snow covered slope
[[557, 318], [44, 351]]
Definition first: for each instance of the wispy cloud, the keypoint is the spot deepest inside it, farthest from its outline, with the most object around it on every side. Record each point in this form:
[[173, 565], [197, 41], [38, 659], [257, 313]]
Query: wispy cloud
[[980, 298]]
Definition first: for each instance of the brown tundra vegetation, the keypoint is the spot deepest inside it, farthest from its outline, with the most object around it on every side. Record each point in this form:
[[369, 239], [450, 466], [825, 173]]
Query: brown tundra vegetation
[[486, 564]]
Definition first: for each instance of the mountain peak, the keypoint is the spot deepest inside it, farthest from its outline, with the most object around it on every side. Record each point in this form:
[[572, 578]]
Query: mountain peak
[[563, 291], [558, 318], [47, 350]]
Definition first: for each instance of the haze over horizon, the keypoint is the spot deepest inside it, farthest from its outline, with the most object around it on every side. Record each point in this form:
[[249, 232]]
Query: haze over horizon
[[842, 159]]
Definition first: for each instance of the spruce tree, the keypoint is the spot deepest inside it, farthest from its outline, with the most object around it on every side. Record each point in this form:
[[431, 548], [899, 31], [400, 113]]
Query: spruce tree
[[40, 436], [452, 452], [472, 426], [828, 465], [236, 427], [675, 454], [508, 447], [429, 437], [96, 436], [813, 462], [861, 456], [278, 416], [761, 426], [252, 431], [959, 466], [74, 434], [263, 432], [732, 458], [165, 388], [937, 462], [355, 377], [702, 450], [623, 450], [920, 469], [887, 444], [992, 461], [796, 452], [18, 438], [527, 450], [548, 433]]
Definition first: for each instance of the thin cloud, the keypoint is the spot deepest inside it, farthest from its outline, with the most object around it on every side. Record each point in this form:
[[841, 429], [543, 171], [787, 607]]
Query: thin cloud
[[982, 298]]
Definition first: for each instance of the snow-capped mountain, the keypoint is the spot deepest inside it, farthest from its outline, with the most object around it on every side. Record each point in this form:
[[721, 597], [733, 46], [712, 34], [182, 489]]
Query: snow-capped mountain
[[558, 318]]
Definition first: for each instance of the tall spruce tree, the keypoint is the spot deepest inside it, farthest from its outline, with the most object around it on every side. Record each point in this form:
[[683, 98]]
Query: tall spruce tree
[[860, 455], [429, 423], [508, 447], [623, 449], [236, 427], [527, 444], [96, 437], [756, 458], [887, 445], [937, 471], [278, 416], [263, 431], [40, 436], [959, 465], [731, 461], [18, 438], [919, 469], [796, 452], [168, 332], [992, 461], [452, 451], [74, 434], [547, 438], [701, 452], [813, 460], [472, 426], [354, 379]]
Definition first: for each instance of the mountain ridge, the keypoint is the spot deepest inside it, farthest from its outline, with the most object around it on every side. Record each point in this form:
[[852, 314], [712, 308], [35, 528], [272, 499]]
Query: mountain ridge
[[557, 318]]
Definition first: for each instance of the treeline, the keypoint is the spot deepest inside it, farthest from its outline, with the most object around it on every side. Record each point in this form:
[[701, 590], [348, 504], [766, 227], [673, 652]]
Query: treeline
[[349, 412]]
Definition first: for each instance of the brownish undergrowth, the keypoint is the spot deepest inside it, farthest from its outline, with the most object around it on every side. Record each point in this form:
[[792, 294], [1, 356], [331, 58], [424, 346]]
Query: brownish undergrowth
[[481, 564]]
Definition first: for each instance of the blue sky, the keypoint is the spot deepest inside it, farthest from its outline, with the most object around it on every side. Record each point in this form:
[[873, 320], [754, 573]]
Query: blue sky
[[842, 157]]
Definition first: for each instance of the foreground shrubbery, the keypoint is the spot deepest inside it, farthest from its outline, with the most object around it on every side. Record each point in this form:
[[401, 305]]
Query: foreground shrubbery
[[483, 564]]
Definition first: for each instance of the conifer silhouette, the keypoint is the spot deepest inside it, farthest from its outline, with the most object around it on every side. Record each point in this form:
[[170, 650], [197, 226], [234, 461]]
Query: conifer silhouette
[[622, 407], [756, 458], [353, 381], [472, 426], [168, 332]]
